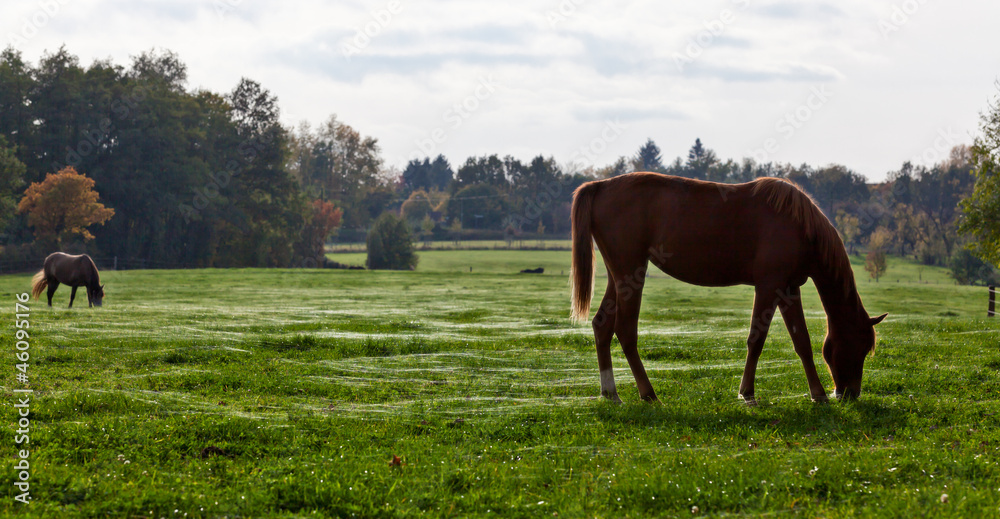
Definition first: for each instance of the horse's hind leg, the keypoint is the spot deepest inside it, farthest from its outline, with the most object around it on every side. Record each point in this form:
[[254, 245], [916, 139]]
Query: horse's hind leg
[[604, 331], [72, 296], [628, 285], [53, 285]]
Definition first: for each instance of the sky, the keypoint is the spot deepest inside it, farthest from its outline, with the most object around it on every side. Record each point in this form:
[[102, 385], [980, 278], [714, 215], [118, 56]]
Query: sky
[[867, 84]]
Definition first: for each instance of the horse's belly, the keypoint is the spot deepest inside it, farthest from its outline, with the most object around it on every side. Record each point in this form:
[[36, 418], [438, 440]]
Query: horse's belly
[[698, 264], [708, 273]]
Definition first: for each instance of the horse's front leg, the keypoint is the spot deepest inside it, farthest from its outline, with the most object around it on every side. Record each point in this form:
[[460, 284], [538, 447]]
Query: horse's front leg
[[795, 321], [604, 332], [72, 296], [764, 302], [627, 329]]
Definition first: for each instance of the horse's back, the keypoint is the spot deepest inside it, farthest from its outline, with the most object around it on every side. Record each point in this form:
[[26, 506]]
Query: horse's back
[[700, 232], [69, 269]]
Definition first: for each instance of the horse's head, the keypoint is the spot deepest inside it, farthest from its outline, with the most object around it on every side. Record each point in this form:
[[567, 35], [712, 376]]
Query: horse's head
[[844, 351], [96, 295]]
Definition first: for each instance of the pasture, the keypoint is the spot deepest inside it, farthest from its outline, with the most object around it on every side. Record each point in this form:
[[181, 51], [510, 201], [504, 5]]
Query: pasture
[[287, 393]]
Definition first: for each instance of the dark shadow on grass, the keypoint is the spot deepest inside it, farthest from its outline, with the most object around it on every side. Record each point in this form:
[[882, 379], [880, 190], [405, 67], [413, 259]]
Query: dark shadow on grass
[[861, 417]]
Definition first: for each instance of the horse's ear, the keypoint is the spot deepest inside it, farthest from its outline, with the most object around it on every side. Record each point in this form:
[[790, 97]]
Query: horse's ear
[[876, 320]]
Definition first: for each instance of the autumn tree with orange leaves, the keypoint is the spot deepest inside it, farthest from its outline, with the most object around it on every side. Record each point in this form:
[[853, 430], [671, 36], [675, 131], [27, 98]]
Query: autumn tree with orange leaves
[[63, 205]]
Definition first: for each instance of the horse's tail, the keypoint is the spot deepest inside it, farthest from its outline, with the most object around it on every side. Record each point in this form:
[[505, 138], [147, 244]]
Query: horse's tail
[[582, 271], [38, 283]]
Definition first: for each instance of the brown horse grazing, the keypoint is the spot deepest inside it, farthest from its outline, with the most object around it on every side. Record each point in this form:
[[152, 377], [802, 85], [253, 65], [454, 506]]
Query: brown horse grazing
[[767, 233], [74, 271]]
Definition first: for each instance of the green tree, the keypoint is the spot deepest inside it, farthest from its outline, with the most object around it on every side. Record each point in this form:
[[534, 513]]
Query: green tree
[[478, 206], [875, 263], [700, 161], [16, 83], [427, 228], [417, 206], [967, 269], [618, 167], [323, 220], [265, 198], [336, 163], [456, 230], [835, 187], [441, 174], [648, 157], [11, 180], [848, 225], [416, 176], [982, 208], [486, 170], [390, 245]]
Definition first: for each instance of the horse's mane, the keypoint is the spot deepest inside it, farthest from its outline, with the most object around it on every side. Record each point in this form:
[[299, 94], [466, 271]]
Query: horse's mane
[[93, 265], [786, 197]]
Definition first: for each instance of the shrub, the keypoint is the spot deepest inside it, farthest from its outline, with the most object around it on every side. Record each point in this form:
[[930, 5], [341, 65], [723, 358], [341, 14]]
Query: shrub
[[390, 245], [969, 269]]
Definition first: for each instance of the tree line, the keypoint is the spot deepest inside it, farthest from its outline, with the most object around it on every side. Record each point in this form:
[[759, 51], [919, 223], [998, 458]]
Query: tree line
[[199, 178]]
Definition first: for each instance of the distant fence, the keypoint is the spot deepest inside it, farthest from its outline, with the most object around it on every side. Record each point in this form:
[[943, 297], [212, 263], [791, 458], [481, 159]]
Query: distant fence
[[991, 312]]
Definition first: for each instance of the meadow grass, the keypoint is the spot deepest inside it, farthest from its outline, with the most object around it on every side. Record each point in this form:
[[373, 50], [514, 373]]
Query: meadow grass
[[522, 244], [252, 393]]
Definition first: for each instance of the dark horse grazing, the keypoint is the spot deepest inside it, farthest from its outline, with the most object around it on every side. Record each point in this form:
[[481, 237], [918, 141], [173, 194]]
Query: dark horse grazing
[[766, 233], [74, 271]]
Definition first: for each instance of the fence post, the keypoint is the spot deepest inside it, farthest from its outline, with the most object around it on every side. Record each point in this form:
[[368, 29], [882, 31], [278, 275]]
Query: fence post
[[991, 312], [116, 263]]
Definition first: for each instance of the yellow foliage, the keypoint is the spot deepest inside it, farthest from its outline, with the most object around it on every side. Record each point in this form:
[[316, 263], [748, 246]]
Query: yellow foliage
[[65, 203]]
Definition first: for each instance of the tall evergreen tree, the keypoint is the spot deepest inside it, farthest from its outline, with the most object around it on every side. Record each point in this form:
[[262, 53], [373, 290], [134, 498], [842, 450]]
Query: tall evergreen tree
[[700, 162], [648, 158], [441, 174]]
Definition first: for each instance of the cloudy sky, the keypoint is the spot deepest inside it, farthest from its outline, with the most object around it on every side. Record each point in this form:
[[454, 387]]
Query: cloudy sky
[[864, 83]]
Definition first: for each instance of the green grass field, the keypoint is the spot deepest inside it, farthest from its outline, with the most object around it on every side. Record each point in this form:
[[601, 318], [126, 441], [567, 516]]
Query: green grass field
[[465, 245], [253, 393]]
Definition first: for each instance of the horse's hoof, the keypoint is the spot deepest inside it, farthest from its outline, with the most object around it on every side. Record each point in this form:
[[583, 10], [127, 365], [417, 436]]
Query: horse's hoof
[[821, 399], [750, 401], [612, 397]]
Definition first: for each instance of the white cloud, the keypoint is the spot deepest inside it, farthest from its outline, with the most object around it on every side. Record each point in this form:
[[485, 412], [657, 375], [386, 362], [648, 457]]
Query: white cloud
[[565, 67]]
